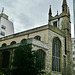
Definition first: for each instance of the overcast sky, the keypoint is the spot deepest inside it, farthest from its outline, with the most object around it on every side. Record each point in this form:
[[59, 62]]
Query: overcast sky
[[27, 14]]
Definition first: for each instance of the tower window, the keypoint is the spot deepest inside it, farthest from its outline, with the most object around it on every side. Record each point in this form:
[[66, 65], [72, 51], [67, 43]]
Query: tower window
[[55, 24], [3, 27]]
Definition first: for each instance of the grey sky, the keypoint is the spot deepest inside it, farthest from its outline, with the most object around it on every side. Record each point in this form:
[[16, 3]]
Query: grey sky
[[27, 14]]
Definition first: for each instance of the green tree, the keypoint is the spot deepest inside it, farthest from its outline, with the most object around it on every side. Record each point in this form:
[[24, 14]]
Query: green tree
[[25, 60], [1, 73]]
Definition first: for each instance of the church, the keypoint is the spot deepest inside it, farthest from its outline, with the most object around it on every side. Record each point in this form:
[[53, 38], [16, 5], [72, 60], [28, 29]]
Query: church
[[53, 41]]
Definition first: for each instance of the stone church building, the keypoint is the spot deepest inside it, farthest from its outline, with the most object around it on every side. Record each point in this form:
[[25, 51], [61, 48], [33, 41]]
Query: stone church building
[[53, 41]]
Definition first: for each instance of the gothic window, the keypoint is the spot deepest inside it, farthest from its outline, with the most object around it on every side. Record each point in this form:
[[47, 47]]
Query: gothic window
[[56, 55], [55, 24], [13, 42], [37, 38], [4, 44], [5, 61], [41, 58]]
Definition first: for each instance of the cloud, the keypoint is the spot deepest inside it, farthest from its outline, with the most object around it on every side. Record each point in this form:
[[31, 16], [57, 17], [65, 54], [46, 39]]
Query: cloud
[[27, 14], [7, 3]]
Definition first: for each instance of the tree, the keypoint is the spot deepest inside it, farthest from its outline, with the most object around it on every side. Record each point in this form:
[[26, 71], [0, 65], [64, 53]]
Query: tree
[[25, 60], [1, 73]]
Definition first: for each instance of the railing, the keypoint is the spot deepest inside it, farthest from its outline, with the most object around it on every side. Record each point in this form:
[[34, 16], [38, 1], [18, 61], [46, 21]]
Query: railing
[[37, 43]]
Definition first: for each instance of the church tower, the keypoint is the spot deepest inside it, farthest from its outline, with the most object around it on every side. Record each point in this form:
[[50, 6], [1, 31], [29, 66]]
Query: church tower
[[50, 13], [62, 22], [64, 6]]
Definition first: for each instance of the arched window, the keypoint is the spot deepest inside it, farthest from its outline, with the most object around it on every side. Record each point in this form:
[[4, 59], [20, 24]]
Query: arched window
[[23, 40], [37, 38], [56, 55], [4, 44], [13, 42], [5, 61], [41, 58]]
